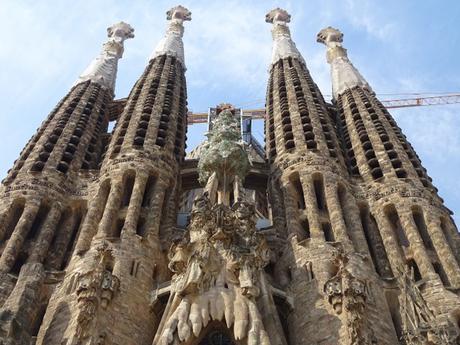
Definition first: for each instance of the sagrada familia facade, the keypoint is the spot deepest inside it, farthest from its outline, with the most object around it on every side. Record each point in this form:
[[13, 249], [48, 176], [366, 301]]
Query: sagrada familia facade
[[331, 234]]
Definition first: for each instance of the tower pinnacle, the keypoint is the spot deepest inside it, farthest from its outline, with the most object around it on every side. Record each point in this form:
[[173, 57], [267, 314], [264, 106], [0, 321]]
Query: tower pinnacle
[[283, 45], [171, 43], [344, 74], [103, 69]]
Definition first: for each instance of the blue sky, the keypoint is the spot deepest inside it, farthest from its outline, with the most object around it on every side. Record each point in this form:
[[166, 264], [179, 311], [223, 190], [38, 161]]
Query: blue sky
[[399, 46]]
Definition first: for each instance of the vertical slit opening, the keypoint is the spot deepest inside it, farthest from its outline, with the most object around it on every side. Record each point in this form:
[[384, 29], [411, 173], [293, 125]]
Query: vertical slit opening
[[414, 268], [419, 221], [165, 211], [105, 191], [232, 197], [344, 207], [393, 306], [319, 191], [62, 220], [119, 227], [16, 212], [128, 190], [38, 320], [148, 193], [306, 228], [20, 261], [38, 221], [140, 229], [70, 244], [328, 234], [365, 222], [439, 269], [396, 226], [300, 198]]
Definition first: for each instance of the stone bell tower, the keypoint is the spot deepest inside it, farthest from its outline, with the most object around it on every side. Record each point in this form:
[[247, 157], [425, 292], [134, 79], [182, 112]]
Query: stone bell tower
[[40, 206], [415, 232], [117, 256]]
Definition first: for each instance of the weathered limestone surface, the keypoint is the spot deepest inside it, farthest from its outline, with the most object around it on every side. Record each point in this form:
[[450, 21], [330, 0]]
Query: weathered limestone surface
[[334, 236]]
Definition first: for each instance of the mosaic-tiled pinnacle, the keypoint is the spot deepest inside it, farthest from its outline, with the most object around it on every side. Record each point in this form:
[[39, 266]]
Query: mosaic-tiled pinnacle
[[343, 74], [103, 69], [171, 43], [283, 45]]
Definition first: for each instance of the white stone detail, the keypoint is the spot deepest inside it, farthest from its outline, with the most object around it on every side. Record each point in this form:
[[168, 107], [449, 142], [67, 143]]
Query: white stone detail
[[171, 43], [283, 45], [103, 69], [344, 75]]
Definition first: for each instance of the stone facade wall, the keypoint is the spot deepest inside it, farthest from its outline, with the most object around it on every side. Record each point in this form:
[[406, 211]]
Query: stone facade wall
[[361, 249]]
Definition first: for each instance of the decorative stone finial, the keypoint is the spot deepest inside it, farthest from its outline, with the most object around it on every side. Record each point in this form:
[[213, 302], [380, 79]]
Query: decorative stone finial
[[171, 43], [103, 69], [278, 15], [283, 45], [330, 37], [344, 75]]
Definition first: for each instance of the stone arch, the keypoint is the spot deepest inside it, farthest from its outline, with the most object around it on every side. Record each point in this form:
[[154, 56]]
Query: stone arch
[[217, 333]]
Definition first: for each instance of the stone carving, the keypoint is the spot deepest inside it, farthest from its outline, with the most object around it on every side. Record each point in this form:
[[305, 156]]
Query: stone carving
[[216, 268], [334, 292], [283, 45], [171, 43], [94, 288], [218, 264], [347, 293], [103, 69], [419, 324], [344, 74]]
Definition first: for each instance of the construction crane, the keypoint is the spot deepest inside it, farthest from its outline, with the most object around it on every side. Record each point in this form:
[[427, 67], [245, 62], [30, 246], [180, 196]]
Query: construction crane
[[390, 104]]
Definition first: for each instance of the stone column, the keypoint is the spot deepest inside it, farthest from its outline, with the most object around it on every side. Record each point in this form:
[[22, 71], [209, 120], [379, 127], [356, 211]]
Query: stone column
[[237, 188], [153, 220], [395, 255], [276, 201], [41, 246], [18, 236], [111, 208], [293, 226], [89, 228], [311, 206], [378, 247], [353, 220], [445, 254], [416, 244], [62, 241], [135, 203], [336, 215], [5, 219]]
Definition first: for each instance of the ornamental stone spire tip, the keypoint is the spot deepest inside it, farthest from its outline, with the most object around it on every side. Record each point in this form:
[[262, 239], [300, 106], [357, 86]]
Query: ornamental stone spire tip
[[278, 15], [103, 69], [283, 45], [171, 43], [344, 75]]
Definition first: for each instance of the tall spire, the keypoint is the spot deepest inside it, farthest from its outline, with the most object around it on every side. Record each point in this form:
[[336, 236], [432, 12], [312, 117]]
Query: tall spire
[[344, 75], [103, 69], [171, 43], [283, 45]]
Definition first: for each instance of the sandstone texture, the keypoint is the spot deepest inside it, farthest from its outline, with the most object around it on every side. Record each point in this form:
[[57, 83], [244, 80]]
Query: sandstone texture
[[332, 235]]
